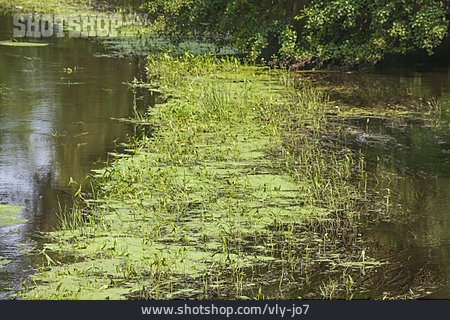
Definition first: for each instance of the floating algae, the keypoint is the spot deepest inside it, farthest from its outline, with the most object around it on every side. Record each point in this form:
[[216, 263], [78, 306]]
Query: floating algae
[[3, 262], [22, 44], [8, 215]]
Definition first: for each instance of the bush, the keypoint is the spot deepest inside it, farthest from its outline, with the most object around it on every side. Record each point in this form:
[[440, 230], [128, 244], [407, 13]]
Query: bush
[[352, 32], [366, 30]]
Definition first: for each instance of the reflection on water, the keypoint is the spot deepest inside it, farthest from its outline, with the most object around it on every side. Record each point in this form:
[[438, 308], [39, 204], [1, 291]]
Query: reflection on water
[[410, 160], [55, 108]]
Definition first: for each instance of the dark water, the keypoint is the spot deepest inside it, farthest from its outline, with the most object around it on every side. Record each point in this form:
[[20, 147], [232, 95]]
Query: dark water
[[56, 105], [409, 161]]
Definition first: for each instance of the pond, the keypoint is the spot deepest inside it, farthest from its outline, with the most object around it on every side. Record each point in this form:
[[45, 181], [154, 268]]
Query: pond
[[56, 109]]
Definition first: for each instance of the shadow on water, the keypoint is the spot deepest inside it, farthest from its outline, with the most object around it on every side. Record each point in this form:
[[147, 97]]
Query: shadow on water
[[56, 105], [409, 159]]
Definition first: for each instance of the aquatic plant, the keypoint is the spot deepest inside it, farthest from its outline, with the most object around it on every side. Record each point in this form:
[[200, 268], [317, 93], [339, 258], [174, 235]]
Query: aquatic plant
[[233, 193]]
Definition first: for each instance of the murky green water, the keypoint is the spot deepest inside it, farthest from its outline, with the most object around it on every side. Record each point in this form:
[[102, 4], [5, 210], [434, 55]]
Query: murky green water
[[409, 159], [56, 105]]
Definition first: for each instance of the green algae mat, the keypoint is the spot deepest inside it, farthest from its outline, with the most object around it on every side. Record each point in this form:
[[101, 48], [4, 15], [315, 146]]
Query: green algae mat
[[232, 197], [8, 215], [22, 44]]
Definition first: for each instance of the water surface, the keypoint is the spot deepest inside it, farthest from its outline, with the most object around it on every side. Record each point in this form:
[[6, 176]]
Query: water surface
[[56, 105], [409, 159]]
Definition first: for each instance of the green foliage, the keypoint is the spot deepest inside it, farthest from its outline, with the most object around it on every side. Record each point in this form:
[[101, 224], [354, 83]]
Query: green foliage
[[288, 41], [248, 25], [351, 32], [366, 30]]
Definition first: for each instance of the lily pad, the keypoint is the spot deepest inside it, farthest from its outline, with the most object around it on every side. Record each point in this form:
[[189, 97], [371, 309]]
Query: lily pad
[[8, 215], [22, 44]]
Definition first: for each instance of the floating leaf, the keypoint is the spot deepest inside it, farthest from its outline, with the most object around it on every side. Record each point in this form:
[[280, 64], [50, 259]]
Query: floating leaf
[[22, 44]]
